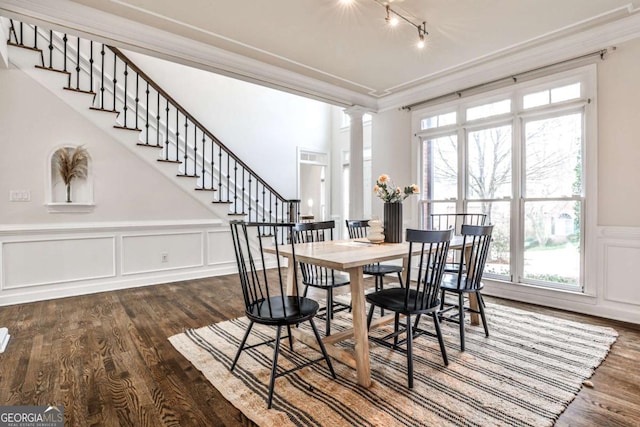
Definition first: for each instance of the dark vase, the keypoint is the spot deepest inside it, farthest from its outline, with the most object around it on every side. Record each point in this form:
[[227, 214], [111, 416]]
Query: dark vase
[[393, 222], [69, 193]]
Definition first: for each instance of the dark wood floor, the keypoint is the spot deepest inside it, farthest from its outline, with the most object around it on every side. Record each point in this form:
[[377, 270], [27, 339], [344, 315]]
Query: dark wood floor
[[106, 358]]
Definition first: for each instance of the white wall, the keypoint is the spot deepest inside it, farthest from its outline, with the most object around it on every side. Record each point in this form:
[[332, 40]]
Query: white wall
[[33, 122], [392, 155], [619, 137], [261, 125]]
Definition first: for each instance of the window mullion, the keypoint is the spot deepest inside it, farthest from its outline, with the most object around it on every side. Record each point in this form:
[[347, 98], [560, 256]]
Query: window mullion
[[517, 205]]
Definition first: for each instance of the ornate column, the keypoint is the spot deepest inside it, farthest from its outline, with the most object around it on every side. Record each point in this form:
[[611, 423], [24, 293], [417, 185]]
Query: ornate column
[[356, 160]]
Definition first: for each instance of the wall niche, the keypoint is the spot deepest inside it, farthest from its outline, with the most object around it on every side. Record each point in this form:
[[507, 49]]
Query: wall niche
[[70, 186]]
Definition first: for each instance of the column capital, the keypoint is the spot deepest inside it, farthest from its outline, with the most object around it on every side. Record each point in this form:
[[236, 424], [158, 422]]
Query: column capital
[[356, 111]]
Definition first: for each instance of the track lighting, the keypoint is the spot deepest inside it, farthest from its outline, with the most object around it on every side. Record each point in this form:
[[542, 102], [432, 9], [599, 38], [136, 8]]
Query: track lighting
[[392, 18]]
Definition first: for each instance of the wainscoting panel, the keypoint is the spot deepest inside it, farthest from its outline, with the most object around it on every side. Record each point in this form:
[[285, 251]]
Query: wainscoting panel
[[43, 262], [145, 253], [615, 286], [220, 247], [620, 249]]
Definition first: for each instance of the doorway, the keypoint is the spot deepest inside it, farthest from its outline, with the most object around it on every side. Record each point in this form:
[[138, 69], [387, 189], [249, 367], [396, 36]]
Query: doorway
[[312, 185]]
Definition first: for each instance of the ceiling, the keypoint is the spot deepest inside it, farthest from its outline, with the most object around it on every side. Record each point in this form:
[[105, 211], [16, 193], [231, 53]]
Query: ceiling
[[351, 48]]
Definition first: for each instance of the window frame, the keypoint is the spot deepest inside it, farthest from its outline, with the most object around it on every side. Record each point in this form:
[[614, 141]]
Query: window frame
[[518, 116]]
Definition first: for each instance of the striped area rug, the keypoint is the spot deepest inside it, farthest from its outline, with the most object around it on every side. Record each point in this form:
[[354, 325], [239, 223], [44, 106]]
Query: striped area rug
[[525, 374]]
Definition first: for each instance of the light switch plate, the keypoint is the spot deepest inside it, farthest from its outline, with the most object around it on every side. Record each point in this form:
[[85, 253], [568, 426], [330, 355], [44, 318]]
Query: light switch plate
[[19, 196]]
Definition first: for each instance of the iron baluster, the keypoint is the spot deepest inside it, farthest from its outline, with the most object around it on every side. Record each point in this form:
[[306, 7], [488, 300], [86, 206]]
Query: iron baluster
[[158, 118], [64, 62], [186, 142], [102, 78], [146, 126], [219, 172], [243, 190], [212, 163], [115, 80], [50, 48], [263, 201], [166, 143], [203, 166], [78, 65], [137, 99], [21, 39], [195, 150], [91, 66], [35, 37], [126, 91], [235, 186], [177, 136], [249, 198], [228, 178]]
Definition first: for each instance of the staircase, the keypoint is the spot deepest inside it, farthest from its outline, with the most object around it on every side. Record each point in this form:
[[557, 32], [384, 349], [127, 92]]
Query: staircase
[[104, 85]]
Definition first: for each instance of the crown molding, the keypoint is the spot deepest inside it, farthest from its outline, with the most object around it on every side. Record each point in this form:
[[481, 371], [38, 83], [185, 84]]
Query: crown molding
[[66, 15], [521, 58]]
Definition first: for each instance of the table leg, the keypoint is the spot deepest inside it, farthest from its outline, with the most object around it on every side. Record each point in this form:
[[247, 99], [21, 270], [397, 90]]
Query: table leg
[[291, 278], [361, 335], [405, 270]]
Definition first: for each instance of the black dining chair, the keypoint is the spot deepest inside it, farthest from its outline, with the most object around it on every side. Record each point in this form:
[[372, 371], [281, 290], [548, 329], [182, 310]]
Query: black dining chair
[[456, 221], [358, 229], [467, 279], [265, 299], [418, 297], [320, 277]]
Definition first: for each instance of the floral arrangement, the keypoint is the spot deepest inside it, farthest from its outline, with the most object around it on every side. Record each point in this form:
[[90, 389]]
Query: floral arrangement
[[71, 163], [385, 189]]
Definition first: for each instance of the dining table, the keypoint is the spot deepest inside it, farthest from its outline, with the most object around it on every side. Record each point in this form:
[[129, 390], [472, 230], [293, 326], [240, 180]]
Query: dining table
[[351, 256]]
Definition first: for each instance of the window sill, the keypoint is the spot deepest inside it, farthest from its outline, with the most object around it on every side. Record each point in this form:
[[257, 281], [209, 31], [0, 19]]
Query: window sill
[[560, 298], [70, 207]]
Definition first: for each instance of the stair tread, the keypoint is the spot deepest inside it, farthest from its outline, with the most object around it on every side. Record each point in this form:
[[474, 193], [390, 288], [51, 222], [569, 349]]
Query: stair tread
[[104, 110], [236, 214], [35, 49], [53, 69], [137, 130], [168, 161], [205, 189], [88, 92], [184, 175], [221, 202]]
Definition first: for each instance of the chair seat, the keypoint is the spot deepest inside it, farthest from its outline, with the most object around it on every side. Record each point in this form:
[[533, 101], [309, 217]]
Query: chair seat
[[393, 299], [381, 269], [272, 311], [326, 281], [450, 283]]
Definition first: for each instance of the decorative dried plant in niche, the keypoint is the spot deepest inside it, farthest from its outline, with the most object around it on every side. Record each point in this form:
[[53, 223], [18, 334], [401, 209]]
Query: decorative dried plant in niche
[[71, 163]]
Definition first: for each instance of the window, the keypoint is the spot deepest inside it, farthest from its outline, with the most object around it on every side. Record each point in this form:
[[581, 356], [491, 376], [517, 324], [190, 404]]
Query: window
[[517, 157]]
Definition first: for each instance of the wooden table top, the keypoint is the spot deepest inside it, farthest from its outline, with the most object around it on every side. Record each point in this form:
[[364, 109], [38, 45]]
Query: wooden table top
[[346, 254]]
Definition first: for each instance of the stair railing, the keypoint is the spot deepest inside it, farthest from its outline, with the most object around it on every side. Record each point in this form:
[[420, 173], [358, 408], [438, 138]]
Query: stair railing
[[119, 85]]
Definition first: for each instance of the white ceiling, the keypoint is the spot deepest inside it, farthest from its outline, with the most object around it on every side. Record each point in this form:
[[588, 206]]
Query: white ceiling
[[349, 50]]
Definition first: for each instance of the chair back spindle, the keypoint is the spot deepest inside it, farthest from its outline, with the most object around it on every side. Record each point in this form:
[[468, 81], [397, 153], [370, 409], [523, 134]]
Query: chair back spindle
[[357, 228], [478, 239], [249, 240], [455, 220], [308, 232], [422, 294]]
